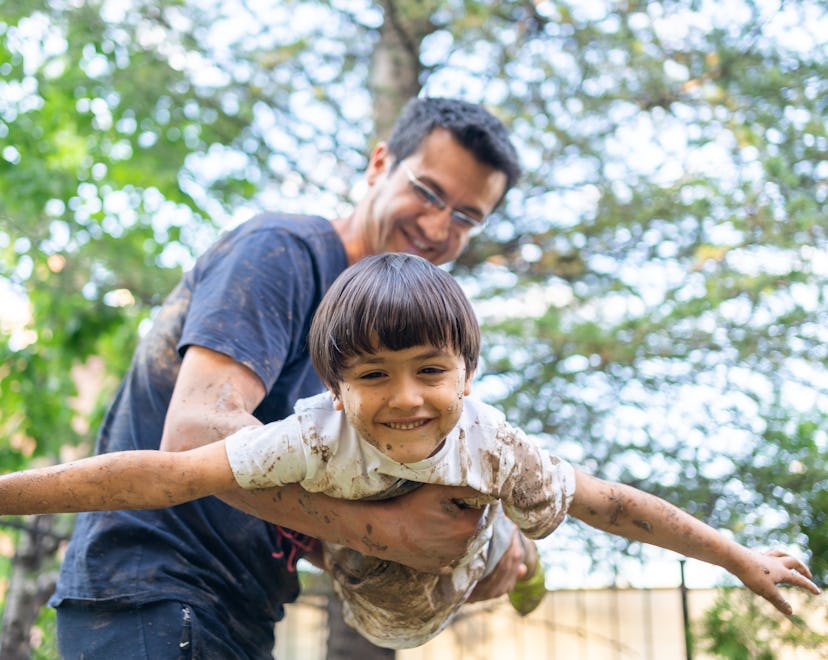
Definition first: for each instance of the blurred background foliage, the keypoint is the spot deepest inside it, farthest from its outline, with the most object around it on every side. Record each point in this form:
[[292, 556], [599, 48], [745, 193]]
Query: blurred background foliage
[[653, 293]]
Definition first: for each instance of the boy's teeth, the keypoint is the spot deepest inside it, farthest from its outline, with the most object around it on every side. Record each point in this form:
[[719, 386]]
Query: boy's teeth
[[404, 427]]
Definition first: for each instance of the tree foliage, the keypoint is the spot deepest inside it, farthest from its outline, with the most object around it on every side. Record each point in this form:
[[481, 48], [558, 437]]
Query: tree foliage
[[653, 293]]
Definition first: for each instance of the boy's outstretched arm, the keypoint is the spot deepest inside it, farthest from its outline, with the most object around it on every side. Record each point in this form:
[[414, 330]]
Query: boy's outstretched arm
[[639, 516], [121, 480]]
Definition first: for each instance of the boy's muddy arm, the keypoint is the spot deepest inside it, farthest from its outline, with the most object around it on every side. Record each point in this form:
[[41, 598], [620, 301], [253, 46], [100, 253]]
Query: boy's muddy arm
[[639, 516], [120, 480], [424, 529]]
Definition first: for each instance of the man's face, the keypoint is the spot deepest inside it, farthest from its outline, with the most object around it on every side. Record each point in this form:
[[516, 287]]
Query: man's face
[[404, 402], [399, 219]]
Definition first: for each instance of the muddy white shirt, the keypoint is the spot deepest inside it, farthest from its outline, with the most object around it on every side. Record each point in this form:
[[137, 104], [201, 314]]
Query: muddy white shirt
[[390, 604], [319, 450]]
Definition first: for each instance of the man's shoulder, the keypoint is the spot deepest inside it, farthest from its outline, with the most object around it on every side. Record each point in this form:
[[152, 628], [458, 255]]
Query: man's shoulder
[[266, 237], [303, 227]]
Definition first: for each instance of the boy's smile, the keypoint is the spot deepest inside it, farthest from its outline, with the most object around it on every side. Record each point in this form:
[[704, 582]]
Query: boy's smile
[[404, 402]]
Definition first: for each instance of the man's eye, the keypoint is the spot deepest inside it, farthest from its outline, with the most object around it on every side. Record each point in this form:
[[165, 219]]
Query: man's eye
[[428, 196]]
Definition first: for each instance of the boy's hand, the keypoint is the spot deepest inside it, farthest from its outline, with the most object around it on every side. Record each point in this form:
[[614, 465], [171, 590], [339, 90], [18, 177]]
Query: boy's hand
[[764, 571]]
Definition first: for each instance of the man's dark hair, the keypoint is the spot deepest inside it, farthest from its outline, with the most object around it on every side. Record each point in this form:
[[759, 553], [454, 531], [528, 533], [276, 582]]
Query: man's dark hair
[[392, 302], [483, 134]]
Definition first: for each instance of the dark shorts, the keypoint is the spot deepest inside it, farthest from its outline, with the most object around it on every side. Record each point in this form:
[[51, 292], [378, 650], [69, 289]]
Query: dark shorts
[[166, 630]]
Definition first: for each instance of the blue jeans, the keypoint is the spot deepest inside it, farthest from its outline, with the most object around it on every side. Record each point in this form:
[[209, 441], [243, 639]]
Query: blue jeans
[[166, 630]]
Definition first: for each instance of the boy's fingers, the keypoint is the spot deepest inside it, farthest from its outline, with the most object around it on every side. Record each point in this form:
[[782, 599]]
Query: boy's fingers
[[798, 578], [800, 567], [781, 604]]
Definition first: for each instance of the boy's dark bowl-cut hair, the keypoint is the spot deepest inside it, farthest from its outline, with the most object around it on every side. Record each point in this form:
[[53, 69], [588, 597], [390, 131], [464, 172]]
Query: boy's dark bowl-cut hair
[[394, 302]]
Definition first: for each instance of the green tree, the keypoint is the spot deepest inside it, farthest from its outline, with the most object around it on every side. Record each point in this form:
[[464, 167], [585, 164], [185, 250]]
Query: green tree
[[661, 263]]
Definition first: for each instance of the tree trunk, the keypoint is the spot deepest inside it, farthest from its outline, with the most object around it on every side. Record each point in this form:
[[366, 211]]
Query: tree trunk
[[29, 586], [395, 63]]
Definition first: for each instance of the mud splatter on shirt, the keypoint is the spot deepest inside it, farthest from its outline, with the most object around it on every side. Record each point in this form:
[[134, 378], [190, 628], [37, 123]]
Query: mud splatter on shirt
[[390, 604]]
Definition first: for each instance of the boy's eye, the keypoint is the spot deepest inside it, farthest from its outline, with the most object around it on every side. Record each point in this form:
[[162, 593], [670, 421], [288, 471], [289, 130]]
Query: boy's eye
[[432, 371], [371, 375]]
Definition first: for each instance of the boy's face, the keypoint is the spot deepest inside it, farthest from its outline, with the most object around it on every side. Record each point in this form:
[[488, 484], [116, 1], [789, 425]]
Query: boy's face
[[404, 402]]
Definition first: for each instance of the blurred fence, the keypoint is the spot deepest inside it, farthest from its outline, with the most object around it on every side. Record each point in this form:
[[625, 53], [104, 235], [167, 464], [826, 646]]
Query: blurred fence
[[587, 624]]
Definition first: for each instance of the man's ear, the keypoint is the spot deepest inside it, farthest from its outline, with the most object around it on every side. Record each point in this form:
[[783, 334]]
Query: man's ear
[[379, 162]]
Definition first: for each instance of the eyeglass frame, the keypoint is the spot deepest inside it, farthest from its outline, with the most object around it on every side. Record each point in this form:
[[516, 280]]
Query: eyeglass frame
[[430, 199]]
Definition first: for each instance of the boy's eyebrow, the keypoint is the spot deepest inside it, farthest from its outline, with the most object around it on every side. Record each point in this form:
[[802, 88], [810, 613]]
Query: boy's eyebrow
[[371, 358]]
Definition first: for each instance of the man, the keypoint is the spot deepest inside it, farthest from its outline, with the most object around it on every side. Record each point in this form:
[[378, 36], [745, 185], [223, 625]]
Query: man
[[228, 350]]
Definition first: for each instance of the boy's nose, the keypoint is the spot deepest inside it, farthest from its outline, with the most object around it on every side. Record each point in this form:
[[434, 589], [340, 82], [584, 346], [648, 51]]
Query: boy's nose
[[406, 394]]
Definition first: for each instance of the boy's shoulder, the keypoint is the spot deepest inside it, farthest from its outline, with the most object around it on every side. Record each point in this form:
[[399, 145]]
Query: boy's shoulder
[[321, 403], [476, 411]]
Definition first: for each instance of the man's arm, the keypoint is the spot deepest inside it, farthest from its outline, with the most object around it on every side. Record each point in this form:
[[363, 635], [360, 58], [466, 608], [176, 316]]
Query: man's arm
[[145, 479], [214, 396], [425, 529], [639, 516]]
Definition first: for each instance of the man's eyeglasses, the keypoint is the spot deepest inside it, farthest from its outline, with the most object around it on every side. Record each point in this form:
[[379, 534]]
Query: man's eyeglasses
[[430, 199]]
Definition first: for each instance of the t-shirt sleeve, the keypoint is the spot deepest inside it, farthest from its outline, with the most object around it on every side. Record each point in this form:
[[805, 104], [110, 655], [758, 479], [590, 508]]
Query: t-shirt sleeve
[[537, 486], [253, 297], [269, 455]]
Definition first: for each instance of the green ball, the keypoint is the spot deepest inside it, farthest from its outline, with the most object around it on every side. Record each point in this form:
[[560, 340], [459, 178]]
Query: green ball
[[528, 594]]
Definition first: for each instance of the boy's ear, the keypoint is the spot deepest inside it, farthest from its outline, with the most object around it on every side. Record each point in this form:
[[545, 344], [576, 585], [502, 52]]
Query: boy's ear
[[337, 402], [469, 377]]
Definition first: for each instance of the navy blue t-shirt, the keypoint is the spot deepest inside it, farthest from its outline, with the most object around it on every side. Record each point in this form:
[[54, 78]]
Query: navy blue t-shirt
[[251, 296]]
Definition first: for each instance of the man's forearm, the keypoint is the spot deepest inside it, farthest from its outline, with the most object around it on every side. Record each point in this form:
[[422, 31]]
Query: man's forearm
[[423, 529]]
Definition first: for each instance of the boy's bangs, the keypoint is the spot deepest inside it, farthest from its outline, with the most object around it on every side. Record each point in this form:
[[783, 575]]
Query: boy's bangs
[[411, 320], [395, 302]]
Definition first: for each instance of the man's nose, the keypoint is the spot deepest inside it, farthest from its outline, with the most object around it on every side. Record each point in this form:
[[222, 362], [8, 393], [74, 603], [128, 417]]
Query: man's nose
[[435, 223]]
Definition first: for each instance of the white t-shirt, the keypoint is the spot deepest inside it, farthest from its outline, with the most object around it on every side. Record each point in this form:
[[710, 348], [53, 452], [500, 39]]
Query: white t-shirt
[[390, 604], [319, 450]]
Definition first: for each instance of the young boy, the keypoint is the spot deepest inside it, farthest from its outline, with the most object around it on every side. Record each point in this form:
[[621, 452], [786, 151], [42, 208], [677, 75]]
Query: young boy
[[396, 342]]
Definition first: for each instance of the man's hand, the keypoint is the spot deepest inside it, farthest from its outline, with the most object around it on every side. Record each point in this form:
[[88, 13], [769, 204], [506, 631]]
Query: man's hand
[[428, 528], [512, 567]]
